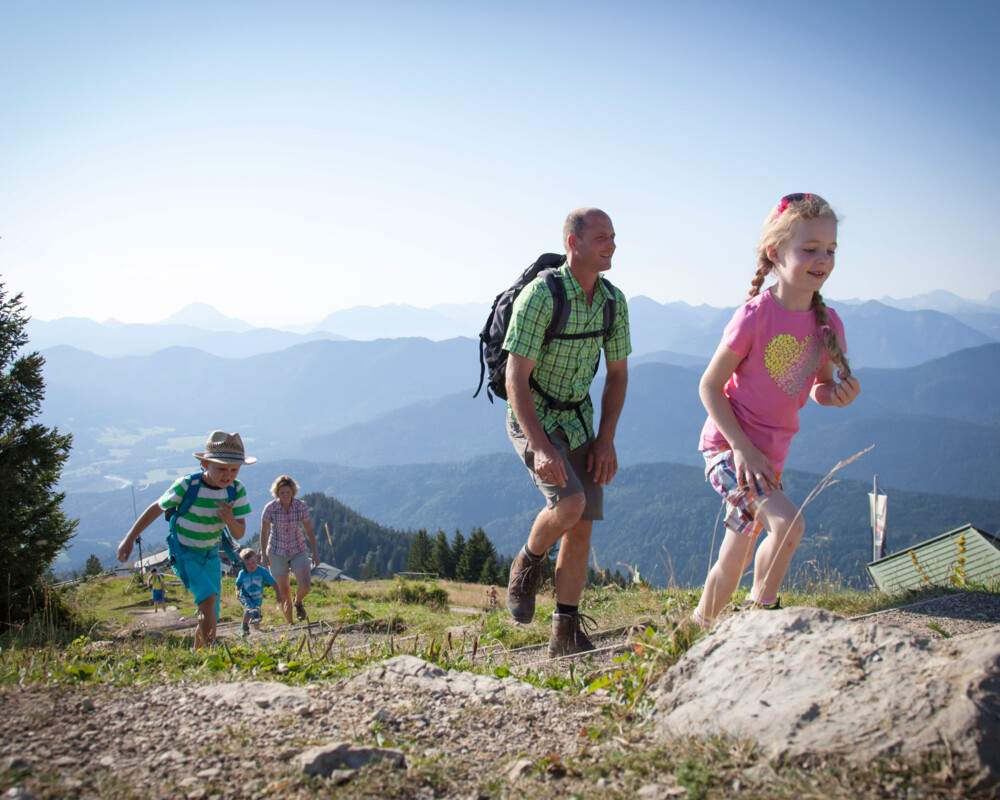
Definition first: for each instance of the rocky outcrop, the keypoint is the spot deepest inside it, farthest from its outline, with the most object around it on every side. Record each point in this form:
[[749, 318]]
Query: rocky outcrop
[[803, 680]]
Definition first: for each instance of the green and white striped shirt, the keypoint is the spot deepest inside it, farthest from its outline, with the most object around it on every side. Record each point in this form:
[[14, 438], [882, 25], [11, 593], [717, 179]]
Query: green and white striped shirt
[[201, 526], [565, 367]]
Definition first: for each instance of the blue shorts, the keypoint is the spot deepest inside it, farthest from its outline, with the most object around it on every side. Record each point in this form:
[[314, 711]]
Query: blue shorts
[[157, 595], [201, 573], [741, 512]]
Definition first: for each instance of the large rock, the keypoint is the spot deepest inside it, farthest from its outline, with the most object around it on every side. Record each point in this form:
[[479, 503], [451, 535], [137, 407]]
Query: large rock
[[802, 680]]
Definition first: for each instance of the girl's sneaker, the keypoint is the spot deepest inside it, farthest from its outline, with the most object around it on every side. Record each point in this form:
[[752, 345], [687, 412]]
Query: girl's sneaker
[[244, 629], [300, 611], [752, 605]]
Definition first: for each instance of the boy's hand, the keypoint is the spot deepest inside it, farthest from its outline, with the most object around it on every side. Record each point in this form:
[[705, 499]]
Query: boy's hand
[[226, 511], [124, 550]]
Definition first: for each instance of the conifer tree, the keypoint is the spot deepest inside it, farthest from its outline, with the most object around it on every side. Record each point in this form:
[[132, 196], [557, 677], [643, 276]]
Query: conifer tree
[[457, 546], [33, 527], [420, 552], [478, 552], [441, 557]]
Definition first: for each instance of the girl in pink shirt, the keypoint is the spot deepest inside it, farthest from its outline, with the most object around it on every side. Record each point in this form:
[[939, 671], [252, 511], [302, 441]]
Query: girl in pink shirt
[[782, 346]]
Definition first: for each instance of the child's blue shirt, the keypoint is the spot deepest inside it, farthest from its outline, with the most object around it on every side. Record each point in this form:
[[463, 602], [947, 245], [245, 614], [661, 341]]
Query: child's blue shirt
[[251, 585]]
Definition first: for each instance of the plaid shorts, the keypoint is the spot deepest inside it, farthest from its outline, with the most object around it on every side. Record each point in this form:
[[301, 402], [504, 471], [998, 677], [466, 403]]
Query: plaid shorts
[[741, 516]]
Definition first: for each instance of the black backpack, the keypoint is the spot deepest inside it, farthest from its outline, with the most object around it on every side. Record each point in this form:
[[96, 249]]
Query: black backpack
[[491, 338]]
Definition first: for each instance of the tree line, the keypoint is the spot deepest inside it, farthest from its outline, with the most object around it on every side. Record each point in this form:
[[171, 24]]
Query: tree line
[[472, 560], [352, 543]]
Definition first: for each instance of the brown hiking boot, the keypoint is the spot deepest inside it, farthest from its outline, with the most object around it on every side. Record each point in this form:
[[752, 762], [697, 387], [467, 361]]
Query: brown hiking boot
[[525, 575], [568, 635]]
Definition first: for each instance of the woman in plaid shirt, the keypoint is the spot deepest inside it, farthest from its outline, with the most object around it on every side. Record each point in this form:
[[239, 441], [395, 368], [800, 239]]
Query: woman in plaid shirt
[[284, 547]]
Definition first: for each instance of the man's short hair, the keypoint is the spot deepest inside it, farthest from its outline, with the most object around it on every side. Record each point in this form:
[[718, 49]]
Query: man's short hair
[[577, 221]]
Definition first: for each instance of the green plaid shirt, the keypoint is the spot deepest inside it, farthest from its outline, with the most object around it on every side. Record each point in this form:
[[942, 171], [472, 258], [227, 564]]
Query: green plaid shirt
[[565, 368]]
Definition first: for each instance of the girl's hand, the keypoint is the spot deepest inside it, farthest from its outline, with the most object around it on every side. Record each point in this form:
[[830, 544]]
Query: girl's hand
[[753, 469], [843, 393]]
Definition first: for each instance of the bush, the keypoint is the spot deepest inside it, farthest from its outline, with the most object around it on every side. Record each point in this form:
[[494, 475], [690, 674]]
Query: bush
[[433, 597]]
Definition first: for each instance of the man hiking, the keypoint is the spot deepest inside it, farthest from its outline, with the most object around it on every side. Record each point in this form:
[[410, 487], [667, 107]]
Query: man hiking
[[550, 418]]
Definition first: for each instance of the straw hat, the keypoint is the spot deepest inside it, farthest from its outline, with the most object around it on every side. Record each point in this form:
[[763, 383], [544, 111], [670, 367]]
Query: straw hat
[[226, 448]]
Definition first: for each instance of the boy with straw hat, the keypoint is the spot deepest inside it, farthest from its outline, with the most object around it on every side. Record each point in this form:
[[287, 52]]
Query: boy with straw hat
[[196, 531]]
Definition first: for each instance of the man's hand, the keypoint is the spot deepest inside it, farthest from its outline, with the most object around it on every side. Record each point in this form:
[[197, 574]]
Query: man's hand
[[549, 465], [602, 461]]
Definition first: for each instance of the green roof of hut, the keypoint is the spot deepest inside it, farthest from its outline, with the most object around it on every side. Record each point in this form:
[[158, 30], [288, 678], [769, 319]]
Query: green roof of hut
[[959, 557]]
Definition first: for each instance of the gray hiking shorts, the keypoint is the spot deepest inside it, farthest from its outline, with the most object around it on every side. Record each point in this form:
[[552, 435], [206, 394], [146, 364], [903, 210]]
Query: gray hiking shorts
[[578, 480]]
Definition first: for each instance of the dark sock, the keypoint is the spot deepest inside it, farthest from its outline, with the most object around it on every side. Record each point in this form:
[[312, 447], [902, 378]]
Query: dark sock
[[562, 608], [531, 555]]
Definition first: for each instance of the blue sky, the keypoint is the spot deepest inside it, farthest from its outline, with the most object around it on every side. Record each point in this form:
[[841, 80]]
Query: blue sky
[[284, 160]]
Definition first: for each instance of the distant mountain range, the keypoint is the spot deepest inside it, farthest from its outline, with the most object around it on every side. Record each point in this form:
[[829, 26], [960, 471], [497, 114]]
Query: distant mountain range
[[389, 427], [879, 334]]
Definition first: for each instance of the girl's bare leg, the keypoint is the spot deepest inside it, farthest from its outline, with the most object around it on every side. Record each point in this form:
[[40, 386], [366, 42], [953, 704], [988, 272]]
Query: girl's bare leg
[[724, 577], [782, 520]]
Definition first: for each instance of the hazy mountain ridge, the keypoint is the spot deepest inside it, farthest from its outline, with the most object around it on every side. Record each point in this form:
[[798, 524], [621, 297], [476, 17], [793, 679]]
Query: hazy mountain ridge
[[931, 426], [410, 401], [878, 335]]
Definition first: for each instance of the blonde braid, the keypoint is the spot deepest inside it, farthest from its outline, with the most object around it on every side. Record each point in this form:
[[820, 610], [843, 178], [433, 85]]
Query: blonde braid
[[764, 267], [830, 341]]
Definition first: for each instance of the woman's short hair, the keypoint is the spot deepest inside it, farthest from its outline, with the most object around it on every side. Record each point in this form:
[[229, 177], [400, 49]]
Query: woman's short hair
[[284, 480]]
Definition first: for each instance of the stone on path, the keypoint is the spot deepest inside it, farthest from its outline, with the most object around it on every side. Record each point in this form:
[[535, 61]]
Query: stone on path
[[335, 757], [419, 674], [803, 680], [257, 697]]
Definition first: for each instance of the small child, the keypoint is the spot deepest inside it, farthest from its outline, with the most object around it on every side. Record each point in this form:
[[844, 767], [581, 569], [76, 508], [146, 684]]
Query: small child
[[782, 347], [196, 547], [250, 585], [156, 584]]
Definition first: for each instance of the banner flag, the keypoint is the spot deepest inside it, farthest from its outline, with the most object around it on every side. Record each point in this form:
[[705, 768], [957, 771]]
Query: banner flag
[[877, 504]]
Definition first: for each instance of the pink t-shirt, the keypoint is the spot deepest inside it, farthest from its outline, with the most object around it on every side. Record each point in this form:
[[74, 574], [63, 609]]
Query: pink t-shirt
[[782, 351]]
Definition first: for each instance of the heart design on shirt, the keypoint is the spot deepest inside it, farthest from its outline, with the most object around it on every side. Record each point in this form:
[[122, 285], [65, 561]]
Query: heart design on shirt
[[791, 361]]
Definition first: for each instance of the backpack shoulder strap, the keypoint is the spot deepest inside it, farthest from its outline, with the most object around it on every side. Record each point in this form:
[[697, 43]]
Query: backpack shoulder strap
[[190, 495], [560, 306], [610, 307]]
